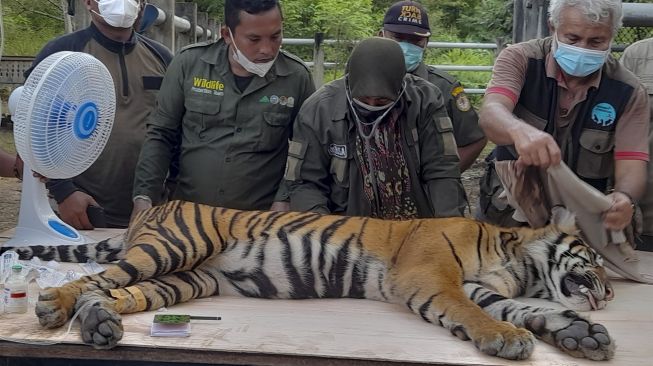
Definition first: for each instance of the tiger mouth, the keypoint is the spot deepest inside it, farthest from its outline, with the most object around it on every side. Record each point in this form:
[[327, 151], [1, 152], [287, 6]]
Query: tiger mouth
[[579, 285]]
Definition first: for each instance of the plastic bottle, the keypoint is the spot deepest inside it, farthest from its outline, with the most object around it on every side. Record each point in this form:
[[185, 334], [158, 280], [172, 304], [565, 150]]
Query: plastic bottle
[[15, 291]]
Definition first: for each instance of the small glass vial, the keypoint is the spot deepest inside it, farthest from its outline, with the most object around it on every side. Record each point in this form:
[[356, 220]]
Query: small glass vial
[[15, 291]]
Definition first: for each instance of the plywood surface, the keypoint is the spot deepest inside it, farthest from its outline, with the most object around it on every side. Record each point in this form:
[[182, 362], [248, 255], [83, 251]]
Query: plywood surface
[[355, 330]]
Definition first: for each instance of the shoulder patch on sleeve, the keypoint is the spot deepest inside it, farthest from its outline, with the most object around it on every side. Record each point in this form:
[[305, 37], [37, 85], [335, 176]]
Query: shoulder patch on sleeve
[[197, 45], [294, 58], [462, 102], [446, 76]]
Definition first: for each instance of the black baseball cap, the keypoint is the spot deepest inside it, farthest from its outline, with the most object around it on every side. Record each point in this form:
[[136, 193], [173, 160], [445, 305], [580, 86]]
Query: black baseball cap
[[408, 17]]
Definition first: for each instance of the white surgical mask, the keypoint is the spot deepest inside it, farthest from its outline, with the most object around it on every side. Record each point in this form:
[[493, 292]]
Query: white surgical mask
[[259, 69], [118, 13]]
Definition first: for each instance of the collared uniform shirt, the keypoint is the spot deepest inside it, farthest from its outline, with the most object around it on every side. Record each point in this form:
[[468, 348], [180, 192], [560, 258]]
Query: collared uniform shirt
[[232, 145], [460, 110]]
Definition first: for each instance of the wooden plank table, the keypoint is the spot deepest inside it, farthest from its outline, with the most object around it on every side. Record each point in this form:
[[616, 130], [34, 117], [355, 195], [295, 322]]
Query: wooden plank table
[[322, 332]]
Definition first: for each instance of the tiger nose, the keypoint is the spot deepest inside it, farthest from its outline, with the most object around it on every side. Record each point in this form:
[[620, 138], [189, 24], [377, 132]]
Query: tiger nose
[[609, 294]]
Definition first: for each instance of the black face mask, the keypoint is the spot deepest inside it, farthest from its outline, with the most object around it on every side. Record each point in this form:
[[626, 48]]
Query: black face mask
[[366, 114]]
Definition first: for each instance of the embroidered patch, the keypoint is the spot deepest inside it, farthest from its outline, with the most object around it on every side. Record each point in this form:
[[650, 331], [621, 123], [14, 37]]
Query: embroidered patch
[[604, 114], [339, 151], [275, 99], [457, 90], [462, 102]]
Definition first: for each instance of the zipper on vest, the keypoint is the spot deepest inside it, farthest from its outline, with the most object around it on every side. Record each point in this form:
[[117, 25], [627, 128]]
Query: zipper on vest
[[123, 72]]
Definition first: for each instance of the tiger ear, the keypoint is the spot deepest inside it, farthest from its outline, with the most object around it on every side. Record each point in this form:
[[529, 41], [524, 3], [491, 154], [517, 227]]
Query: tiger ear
[[564, 220]]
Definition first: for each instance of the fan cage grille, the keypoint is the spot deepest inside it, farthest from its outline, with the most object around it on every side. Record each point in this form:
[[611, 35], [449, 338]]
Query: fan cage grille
[[44, 122]]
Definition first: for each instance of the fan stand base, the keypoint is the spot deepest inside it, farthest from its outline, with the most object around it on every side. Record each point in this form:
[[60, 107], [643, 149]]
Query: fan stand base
[[37, 223]]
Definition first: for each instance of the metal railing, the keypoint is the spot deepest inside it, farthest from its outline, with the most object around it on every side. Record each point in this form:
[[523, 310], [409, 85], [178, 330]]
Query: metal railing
[[318, 64]]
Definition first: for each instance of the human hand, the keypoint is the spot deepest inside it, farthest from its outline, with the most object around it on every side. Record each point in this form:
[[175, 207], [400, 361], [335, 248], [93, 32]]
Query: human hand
[[280, 206], [73, 210], [535, 147], [619, 215], [140, 204]]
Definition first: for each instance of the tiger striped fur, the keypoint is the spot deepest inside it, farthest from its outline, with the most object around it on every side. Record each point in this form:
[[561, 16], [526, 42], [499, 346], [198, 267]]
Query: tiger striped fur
[[455, 272]]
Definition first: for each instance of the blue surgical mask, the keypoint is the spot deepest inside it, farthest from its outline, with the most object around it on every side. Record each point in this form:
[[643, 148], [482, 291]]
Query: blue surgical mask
[[412, 55], [578, 61]]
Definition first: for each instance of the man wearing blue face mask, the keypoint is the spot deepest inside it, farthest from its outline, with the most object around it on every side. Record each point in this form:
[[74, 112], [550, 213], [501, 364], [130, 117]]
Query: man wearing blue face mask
[[372, 143], [564, 98], [407, 22], [137, 65]]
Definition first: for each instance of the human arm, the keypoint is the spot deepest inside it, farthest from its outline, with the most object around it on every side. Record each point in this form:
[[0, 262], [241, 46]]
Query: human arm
[[630, 183], [307, 168], [631, 158], [7, 164], [469, 153], [502, 127], [439, 163], [470, 138], [162, 138], [282, 197]]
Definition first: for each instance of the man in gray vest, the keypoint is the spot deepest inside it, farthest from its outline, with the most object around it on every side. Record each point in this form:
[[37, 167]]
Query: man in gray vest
[[638, 58], [564, 98]]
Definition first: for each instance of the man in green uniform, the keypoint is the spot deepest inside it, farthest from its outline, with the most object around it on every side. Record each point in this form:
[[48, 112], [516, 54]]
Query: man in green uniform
[[377, 143], [227, 108], [407, 23]]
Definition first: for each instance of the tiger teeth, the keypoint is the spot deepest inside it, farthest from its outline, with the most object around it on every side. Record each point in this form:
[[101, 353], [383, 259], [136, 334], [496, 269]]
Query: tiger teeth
[[584, 290]]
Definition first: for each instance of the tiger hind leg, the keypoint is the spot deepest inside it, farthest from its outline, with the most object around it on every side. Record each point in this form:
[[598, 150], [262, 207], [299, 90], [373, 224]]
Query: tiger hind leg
[[101, 323], [564, 329]]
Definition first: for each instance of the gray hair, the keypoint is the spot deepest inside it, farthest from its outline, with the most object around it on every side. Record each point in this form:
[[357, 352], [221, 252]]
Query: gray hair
[[595, 10]]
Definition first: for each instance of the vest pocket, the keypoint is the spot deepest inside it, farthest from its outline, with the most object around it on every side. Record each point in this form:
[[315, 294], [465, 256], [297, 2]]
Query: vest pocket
[[529, 117], [595, 156]]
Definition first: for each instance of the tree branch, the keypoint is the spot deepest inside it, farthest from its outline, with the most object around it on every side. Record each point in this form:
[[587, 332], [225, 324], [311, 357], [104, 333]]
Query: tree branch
[[58, 6], [25, 8]]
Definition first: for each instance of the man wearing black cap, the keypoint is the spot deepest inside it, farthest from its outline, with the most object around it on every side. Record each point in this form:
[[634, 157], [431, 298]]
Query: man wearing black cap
[[375, 143], [408, 23]]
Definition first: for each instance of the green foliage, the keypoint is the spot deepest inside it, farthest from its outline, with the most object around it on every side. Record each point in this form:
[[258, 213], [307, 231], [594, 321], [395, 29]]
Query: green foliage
[[29, 24]]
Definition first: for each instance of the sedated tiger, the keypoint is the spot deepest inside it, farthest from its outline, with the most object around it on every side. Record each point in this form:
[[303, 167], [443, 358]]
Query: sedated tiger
[[456, 272]]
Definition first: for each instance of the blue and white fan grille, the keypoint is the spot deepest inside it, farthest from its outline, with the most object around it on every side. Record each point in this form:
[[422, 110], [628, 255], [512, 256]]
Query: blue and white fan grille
[[64, 116]]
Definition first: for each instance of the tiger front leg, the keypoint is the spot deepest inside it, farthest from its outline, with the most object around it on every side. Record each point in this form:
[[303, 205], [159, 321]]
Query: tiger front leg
[[564, 329], [100, 310], [453, 310]]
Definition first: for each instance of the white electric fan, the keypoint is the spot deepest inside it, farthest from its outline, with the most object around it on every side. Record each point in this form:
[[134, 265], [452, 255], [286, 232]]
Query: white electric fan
[[62, 119]]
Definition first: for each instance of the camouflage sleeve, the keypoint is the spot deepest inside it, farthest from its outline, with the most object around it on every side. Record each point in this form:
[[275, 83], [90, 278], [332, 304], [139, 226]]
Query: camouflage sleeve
[[439, 162], [307, 168], [162, 136]]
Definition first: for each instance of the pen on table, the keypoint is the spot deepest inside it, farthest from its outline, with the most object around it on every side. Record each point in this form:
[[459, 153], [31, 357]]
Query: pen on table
[[197, 317]]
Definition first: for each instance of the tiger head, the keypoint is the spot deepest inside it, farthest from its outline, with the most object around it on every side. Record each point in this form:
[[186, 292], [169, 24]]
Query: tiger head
[[574, 272]]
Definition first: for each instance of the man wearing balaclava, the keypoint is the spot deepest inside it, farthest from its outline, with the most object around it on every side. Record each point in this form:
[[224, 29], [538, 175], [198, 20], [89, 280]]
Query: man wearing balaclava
[[376, 143], [137, 65]]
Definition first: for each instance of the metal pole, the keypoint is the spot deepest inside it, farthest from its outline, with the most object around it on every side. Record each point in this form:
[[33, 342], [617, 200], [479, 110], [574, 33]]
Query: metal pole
[[165, 32], [318, 60]]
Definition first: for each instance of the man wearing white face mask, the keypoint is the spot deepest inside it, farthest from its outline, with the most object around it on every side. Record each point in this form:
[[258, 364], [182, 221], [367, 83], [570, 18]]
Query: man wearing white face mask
[[407, 22], [228, 106], [564, 98], [371, 143], [137, 65]]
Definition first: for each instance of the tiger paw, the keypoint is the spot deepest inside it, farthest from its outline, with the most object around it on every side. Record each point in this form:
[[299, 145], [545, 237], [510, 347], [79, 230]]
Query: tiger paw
[[506, 341], [574, 335], [55, 306], [101, 324]]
